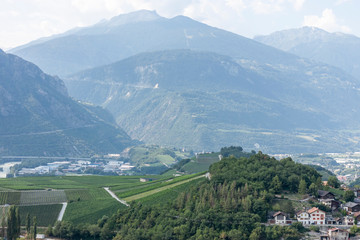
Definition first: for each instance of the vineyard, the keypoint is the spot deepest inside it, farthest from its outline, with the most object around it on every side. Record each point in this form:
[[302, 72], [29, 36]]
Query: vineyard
[[91, 211], [77, 194], [11, 198], [92, 205], [45, 214], [42, 197], [86, 198]]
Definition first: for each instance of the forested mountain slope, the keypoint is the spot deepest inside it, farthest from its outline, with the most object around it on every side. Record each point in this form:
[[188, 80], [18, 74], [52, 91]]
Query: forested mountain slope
[[203, 100]]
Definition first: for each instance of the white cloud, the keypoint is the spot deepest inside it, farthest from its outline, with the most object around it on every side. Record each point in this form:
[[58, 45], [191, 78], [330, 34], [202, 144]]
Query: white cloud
[[37, 18], [298, 4], [266, 7], [339, 2], [326, 21]]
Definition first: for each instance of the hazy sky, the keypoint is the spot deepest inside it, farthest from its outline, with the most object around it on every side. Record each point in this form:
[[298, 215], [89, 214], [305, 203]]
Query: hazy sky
[[24, 20]]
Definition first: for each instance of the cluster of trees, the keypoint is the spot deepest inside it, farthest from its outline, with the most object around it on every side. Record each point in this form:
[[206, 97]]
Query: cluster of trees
[[235, 151], [13, 223], [262, 172], [333, 182], [67, 230]]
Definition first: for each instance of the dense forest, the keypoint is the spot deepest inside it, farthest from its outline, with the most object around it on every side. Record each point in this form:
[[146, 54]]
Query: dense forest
[[233, 204]]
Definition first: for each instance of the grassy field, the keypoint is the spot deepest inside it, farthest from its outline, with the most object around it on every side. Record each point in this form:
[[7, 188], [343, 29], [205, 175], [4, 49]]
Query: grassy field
[[160, 189], [169, 194], [67, 182], [153, 185], [45, 214]]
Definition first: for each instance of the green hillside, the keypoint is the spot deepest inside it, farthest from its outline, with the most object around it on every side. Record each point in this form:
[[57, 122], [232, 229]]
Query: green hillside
[[203, 101]]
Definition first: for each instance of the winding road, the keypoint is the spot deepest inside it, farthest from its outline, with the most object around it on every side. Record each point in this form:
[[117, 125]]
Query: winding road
[[115, 197], [62, 212]]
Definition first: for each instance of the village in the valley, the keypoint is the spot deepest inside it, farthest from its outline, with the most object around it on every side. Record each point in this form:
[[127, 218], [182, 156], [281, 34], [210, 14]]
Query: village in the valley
[[329, 215]]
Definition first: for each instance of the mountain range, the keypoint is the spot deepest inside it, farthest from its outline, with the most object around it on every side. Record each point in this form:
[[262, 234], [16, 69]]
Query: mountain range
[[202, 100], [336, 49], [142, 31], [38, 118], [179, 82]]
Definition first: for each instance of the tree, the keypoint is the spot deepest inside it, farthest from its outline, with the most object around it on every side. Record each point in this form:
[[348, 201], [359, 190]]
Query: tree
[[313, 189], [49, 232], [349, 196], [276, 184], [257, 234], [3, 226], [293, 182], [288, 208], [333, 182], [34, 227], [302, 187], [12, 222], [28, 225], [18, 222]]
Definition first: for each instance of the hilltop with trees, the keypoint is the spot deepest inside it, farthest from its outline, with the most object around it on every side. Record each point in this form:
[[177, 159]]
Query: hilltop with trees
[[231, 205]]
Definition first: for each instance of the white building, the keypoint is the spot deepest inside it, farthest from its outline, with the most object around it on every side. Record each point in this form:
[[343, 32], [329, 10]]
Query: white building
[[312, 216], [303, 217], [280, 218]]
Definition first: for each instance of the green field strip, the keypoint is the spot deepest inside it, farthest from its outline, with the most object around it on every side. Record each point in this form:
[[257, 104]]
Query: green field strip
[[157, 190], [168, 195], [153, 185]]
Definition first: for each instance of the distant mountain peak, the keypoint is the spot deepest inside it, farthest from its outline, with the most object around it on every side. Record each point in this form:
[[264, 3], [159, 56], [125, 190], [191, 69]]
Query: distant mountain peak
[[132, 17]]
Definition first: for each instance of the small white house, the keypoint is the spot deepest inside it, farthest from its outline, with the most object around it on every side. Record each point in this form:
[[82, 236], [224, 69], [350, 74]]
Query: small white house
[[303, 217], [280, 218]]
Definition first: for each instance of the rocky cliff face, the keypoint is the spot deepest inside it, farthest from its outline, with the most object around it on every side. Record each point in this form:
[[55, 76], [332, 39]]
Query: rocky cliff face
[[37, 117]]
